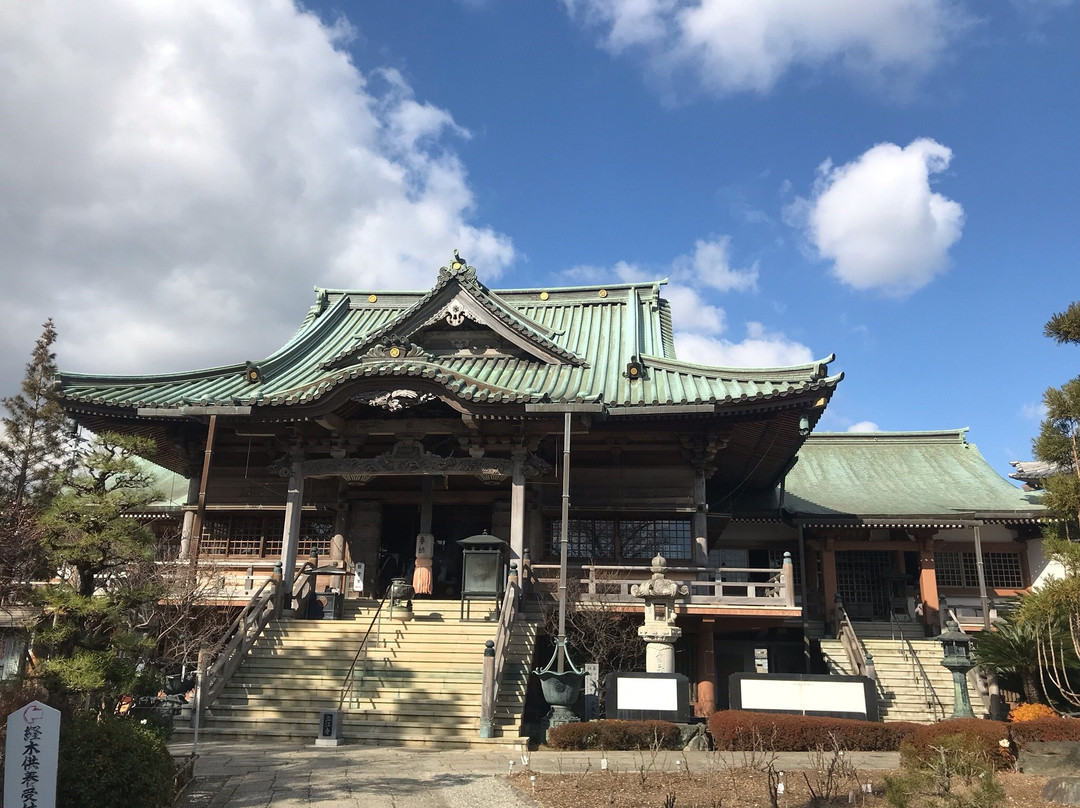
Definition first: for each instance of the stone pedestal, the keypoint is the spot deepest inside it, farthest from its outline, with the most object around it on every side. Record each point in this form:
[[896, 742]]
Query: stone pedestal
[[659, 631]]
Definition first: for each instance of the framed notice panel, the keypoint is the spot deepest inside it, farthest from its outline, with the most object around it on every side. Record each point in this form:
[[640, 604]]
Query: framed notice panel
[[804, 694], [644, 696]]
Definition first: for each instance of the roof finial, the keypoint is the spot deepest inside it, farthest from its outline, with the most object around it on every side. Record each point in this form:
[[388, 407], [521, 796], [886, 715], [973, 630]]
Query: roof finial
[[458, 267]]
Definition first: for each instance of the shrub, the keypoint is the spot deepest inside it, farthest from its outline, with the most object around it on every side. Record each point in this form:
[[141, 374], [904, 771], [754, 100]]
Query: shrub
[[1029, 712], [742, 730], [970, 734], [1045, 729], [615, 735], [112, 763]]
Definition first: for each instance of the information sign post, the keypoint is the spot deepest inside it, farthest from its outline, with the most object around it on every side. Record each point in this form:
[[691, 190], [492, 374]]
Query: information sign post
[[33, 745]]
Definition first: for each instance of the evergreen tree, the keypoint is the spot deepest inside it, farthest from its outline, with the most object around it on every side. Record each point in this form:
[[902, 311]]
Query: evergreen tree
[[1065, 326], [32, 441], [90, 638], [1057, 602]]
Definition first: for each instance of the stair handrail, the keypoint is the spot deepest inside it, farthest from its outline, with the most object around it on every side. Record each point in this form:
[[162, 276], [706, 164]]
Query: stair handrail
[[350, 676], [861, 662], [236, 641], [489, 692], [918, 672]]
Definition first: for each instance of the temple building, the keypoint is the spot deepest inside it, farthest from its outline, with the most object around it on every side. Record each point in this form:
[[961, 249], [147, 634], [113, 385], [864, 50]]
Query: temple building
[[394, 424]]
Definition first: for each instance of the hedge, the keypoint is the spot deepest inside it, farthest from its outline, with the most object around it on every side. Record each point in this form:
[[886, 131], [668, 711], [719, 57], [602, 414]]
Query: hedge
[[1045, 729], [742, 730], [615, 735], [112, 763]]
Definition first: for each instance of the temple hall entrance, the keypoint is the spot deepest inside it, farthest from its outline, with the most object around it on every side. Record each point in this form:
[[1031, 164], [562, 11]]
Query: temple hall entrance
[[449, 524], [862, 579]]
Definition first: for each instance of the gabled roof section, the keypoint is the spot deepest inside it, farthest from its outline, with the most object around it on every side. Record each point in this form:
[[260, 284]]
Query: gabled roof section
[[607, 344], [900, 477], [458, 296]]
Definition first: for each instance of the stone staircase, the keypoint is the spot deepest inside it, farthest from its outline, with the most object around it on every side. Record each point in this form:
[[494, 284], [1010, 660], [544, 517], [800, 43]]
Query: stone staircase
[[417, 683], [901, 693]]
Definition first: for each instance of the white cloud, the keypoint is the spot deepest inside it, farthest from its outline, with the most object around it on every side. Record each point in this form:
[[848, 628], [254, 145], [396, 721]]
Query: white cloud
[[878, 220], [760, 349], [1034, 411], [176, 175], [750, 45], [711, 265], [864, 426]]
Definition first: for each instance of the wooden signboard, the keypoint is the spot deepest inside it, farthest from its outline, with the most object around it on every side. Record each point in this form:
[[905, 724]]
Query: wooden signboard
[[33, 745]]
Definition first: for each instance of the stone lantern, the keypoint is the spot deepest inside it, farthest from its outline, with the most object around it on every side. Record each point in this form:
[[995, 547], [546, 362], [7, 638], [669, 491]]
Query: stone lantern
[[659, 631], [956, 647]]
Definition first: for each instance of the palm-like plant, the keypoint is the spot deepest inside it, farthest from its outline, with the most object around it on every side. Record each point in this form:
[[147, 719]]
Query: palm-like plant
[[1011, 647]]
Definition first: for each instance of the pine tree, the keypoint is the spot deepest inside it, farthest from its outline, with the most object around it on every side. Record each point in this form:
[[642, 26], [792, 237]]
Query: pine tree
[[1065, 326], [32, 441], [88, 533], [1057, 602]]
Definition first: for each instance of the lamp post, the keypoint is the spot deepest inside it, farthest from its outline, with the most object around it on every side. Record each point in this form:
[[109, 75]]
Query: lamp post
[[561, 686], [956, 647]]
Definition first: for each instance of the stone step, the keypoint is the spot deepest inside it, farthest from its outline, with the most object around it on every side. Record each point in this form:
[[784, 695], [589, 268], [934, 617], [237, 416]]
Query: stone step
[[369, 737]]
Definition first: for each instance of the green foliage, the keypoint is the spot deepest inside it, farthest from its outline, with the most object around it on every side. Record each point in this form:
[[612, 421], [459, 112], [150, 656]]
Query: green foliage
[[614, 734], [32, 439], [112, 763], [950, 771], [1008, 649], [95, 607], [1065, 326]]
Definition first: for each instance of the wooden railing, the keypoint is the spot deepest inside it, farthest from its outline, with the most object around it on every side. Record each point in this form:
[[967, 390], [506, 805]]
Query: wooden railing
[[495, 656], [735, 586], [220, 663]]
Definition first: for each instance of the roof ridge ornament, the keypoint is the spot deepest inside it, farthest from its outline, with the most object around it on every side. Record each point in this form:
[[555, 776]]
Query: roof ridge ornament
[[458, 266]]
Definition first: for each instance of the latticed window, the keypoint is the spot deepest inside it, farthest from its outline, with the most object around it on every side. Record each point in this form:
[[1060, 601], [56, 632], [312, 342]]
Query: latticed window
[[316, 533], [623, 539], [1002, 570], [585, 538], [259, 534]]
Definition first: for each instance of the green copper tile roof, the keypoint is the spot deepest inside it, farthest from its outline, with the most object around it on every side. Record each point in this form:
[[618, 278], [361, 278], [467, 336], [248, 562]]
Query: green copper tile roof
[[900, 475], [581, 340]]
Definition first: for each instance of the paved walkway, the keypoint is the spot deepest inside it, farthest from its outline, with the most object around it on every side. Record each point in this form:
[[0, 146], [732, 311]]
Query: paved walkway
[[239, 775]]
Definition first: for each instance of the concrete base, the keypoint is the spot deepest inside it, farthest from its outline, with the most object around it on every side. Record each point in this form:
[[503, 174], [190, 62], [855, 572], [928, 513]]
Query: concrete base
[[329, 742]]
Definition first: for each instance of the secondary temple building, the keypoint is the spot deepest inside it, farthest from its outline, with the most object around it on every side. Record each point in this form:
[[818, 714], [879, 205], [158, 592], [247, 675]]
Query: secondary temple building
[[394, 424]]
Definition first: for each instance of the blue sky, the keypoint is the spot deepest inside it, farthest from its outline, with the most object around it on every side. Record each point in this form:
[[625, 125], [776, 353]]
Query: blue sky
[[894, 182]]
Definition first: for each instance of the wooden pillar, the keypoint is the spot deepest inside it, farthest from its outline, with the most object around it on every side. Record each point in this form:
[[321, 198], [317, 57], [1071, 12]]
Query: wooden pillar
[[337, 541], [290, 536], [699, 521], [517, 506], [928, 592], [189, 518], [706, 667], [828, 575]]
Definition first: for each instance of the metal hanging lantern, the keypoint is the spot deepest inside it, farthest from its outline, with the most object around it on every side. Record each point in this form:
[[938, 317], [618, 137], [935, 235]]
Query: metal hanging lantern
[[401, 594]]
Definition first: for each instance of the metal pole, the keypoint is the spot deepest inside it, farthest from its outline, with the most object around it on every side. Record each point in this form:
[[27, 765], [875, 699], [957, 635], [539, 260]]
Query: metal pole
[[984, 599], [564, 530]]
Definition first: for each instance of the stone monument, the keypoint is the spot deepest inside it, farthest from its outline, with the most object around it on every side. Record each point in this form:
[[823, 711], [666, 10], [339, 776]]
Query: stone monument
[[659, 631]]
